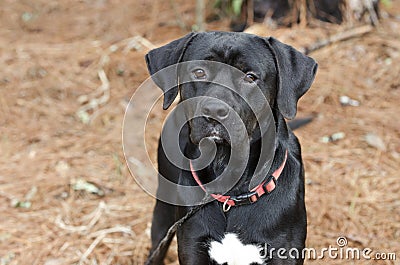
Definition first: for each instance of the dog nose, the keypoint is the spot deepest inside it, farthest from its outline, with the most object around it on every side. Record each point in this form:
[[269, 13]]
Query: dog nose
[[216, 110]]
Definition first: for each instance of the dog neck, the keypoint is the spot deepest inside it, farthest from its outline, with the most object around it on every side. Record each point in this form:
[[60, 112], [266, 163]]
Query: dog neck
[[223, 155]]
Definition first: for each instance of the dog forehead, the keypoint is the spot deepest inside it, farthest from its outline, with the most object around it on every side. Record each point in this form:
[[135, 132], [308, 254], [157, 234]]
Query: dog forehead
[[227, 47]]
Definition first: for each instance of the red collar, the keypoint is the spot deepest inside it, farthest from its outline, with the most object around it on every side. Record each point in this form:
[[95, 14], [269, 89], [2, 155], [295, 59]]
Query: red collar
[[266, 187]]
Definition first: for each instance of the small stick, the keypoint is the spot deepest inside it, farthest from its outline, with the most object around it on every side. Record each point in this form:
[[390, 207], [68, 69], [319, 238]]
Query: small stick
[[303, 13], [91, 248], [373, 15], [200, 9], [250, 13], [352, 33]]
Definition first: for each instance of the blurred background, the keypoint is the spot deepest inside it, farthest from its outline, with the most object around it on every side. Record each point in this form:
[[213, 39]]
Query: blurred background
[[68, 69]]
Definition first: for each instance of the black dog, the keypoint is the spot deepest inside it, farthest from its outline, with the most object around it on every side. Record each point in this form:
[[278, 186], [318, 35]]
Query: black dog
[[241, 227]]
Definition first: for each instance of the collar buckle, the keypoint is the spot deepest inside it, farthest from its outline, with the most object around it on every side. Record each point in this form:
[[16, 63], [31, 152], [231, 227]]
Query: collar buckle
[[267, 183], [246, 198]]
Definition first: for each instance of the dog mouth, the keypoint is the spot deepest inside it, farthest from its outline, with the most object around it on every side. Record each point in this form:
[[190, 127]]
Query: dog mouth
[[201, 129], [213, 136], [216, 137]]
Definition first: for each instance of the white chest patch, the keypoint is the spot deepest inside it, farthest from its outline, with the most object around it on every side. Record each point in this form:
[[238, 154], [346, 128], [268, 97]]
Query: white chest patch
[[233, 252]]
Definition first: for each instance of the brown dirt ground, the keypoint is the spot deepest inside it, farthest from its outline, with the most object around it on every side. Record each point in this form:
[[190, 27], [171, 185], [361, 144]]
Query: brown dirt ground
[[49, 58]]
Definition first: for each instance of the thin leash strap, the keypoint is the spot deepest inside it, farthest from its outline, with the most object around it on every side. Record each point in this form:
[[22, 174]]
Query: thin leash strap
[[163, 245]]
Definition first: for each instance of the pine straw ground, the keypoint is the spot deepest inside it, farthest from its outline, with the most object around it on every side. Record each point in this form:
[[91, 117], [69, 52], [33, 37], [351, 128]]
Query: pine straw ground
[[51, 59]]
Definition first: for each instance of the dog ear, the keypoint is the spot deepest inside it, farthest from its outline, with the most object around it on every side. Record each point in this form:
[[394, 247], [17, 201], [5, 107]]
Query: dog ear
[[163, 57], [296, 72]]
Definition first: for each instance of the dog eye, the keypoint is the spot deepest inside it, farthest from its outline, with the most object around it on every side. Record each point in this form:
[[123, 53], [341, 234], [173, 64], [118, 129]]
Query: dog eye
[[199, 74], [250, 78]]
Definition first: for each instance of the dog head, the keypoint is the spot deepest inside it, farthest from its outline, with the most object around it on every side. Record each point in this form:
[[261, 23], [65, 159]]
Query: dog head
[[280, 72]]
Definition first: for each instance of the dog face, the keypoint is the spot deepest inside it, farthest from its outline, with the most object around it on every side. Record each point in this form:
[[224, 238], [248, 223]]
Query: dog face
[[225, 91], [278, 71]]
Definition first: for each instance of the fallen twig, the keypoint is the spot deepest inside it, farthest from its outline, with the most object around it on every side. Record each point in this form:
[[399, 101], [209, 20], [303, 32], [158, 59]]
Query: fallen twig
[[91, 248], [97, 213], [345, 35], [101, 234], [101, 95], [115, 229]]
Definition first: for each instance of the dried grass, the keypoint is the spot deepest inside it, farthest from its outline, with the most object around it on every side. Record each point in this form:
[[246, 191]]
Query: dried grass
[[352, 187]]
